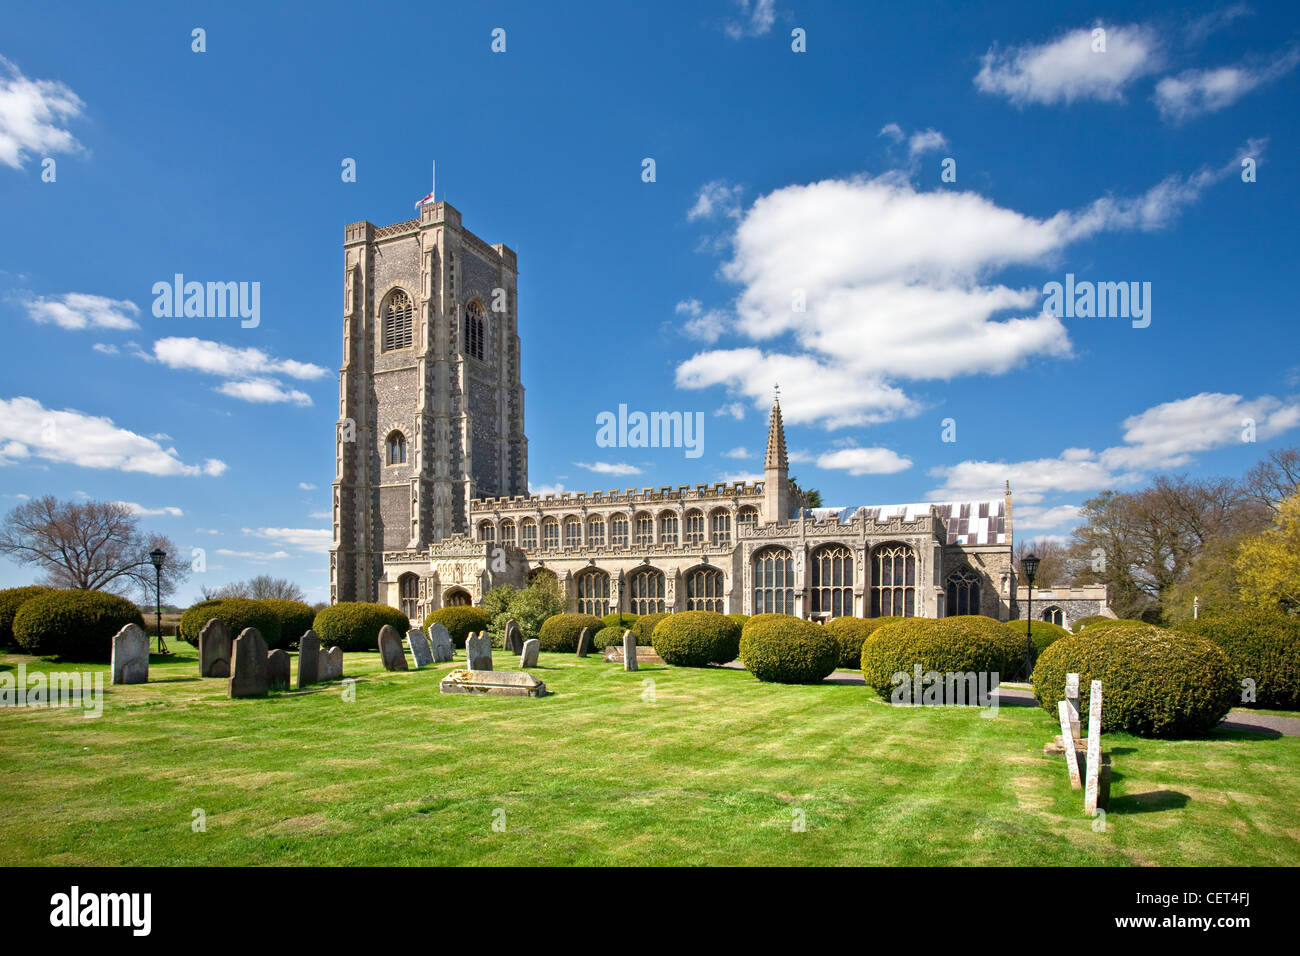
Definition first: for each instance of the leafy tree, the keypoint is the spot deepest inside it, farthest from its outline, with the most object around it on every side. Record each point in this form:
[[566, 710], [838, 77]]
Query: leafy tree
[[529, 607], [1268, 565]]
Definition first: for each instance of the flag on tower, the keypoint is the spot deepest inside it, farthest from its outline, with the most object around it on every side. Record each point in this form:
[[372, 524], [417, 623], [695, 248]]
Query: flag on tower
[[432, 182]]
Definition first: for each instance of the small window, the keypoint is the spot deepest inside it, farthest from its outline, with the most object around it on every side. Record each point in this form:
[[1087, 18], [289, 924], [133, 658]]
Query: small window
[[694, 529], [645, 530], [474, 330], [720, 522], [596, 532], [668, 529], [618, 531], [550, 534], [528, 535], [397, 449], [398, 321]]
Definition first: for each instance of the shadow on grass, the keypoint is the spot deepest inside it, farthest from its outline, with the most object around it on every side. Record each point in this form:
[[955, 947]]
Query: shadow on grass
[[1153, 801], [1237, 730]]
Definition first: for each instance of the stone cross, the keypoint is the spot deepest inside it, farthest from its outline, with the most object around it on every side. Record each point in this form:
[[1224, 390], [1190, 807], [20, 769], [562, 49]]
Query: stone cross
[[629, 651], [214, 649], [308, 659], [441, 645], [1071, 744], [1072, 701], [421, 652], [130, 655], [528, 658], [1094, 749], [478, 651], [277, 669], [390, 649], [248, 673], [584, 642]]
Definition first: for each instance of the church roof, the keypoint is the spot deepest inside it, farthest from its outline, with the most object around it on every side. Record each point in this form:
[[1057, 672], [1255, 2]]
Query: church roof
[[968, 522]]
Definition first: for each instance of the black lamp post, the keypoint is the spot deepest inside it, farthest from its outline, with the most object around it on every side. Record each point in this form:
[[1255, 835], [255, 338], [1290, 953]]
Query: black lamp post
[[1030, 564], [158, 556]]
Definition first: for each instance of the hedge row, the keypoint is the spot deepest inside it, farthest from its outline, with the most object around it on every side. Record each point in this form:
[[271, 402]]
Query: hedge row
[[460, 622], [963, 644], [1262, 646], [238, 613], [560, 632], [1044, 633], [11, 599], [851, 632], [355, 625], [73, 625]]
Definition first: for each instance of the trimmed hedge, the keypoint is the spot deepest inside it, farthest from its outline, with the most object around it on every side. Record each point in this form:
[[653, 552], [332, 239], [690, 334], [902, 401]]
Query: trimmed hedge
[[560, 631], [1263, 646], [460, 622], [697, 638], [851, 632], [1099, 621], [963, 644], [355, 625], [607, 637], [11, 599], [74, 625], [238, 613], [624, 620], [1045, 632], [740, 619], [644, 628], [1155, 682], [295, 617], [785, 649]]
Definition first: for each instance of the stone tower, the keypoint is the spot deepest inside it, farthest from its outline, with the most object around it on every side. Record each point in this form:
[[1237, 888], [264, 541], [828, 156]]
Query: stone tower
[[431, 404], [777, 499]]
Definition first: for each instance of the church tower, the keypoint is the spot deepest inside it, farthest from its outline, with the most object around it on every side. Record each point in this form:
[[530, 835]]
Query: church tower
[[431, 401], [777, 499]]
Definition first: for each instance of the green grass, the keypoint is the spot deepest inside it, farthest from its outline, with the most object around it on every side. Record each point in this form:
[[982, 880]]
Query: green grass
[[710, 772]]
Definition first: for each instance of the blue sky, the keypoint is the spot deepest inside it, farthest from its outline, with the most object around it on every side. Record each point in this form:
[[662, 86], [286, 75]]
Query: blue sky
[[778, 174]]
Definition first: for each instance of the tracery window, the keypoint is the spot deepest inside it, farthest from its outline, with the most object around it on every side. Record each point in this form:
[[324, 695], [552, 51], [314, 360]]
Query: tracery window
[[572, 532], [645, 530], [773, 581], [596, 531], [593, 592], [474, 330], [528, 535], [832, 581], [963, 593], [1052, 615], [486, 532], [396, 448], [646, 588], [704, 590], [747, 517], [694, 531], [893, 581], [618, 531], [508, 533], [398, 321], [408, 587], [668, 528], [550, 534], [720, 527]]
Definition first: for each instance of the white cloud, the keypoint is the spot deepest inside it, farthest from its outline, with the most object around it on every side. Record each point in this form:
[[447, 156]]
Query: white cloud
[[29, 430], [264, 391], [137, 509], [865, 461], [1032, 517], [1194, 92], [609, 468], [253, 555], [707, 326], [716, 198], [1068, 68], [77, 310], [319, 515], [735, 409], [215, 358], [306, 486], [32, 115], [304, 539], [554, 489], [740, 452], [755, 18]]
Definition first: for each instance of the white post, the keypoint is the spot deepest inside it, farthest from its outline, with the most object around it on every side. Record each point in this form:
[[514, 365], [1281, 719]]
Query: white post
[[1094, 749], [1071, 745], [1072, 699]]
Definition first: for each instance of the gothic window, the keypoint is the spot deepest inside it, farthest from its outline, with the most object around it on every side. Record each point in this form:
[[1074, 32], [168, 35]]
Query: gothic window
[[486, 532], [618, 531], [596, 531], [528, 535], [773, 582], [593, 592], [694, 535], [474, 330], [704, 590], [963, 592], [832, 581], [720, 527], [457, 597], [508, 533], [550, 534], [893, 581], [747, 517], [408, 587], [647, 591], [397, 449], [645, 530], [398, 320], [1052, 615], [572, 532], [668, 528]]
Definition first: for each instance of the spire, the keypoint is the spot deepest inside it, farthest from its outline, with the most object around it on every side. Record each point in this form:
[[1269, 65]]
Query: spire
[[776, 457]]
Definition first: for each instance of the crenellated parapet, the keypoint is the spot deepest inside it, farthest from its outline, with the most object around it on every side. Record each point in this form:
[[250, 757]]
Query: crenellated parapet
[[631, 497]]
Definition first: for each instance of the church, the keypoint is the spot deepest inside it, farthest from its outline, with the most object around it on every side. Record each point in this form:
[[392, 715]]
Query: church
[[431, 506]]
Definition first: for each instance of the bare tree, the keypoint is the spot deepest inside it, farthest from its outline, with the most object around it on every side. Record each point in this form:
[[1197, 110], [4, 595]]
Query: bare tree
[[260, 588], [92, 545], [1053, 569], [1275, 479]]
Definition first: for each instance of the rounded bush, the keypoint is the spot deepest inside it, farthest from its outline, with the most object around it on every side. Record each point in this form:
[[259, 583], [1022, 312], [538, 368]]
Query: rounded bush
[[1263, 646], [11, 599], [608, 637], [460, 622], [1098, 622], [1044, 633], [74, 625], [624, 620], [787, 649], [560, 631], [238, 613], [1155, 682], [850, 633], [963, 644], [355, 625], [295, 619], [740, 619], [697, 638], [644, 628]]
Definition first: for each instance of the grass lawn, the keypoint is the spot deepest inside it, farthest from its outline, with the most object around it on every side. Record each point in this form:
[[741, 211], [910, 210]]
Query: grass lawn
[[711, 771]]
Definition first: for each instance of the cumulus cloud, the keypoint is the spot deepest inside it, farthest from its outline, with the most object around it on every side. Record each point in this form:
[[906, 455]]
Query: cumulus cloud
[[303, 539], [1069, 68], [1193, 92], [754, 18], [32, 116], [920, 142], [706, 325], [609, 468], [263, 391], [251, 373], [77, 310], [29, 430], [716, 198], [739, 452], [865, 461], [138, 509]]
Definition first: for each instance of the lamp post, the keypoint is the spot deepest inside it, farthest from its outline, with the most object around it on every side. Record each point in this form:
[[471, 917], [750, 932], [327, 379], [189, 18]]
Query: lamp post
[[1030, 564], [157, 556]]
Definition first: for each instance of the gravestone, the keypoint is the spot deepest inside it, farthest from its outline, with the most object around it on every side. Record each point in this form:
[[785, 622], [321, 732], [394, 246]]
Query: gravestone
[[478, 651], [1070, 744], [421, 652], [277, 669], [248, 673], [584, 642], [1072, 702], [440, 643], [390, 649], [131, 655], [1094, 750], [528, 658], [494, 683], [629, 651], [214, 649], [513, 641], [308, 659], [331, 664]]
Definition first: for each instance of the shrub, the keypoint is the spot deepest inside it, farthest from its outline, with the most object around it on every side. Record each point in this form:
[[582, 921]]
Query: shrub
[[1155, 682], [787, 649], [295, 618], [740, 619], [623, 620], [1044, 633], [560, 631], [697, 638], [74, 625], [1263, 646], [1098, 622], [608, 637], [528, 608], [355, 625], [11, 599], [460, 622], [644, 628], [963, 644], [238, 613], [850, 633]]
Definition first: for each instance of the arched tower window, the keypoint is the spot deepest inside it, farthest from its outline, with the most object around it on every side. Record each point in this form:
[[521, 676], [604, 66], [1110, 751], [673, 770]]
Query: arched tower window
[[474, 330], [646, 587], [963, 593], [773, 581], [893, 581], [398, 320], [396, 448], [704, 589], [832, 580], [593, 592], [1053, 615]]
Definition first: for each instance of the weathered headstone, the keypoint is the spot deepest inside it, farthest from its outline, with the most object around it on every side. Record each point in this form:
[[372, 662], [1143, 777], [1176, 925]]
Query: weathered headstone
[[308, 659], [478, 651], [390, 649], [528, 657], [248, 673], [421, 652], [131, 655], [496, 683], [277, 669], [584, 642], [513, 641], [331, 664], [214, 649], [1094, 749], [629, 651], [1070, 744], [1072, 701], [440, 643]]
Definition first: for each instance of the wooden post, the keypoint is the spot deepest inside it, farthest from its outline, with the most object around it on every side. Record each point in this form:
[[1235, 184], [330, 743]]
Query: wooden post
[[1071, 745], [1094, 749]]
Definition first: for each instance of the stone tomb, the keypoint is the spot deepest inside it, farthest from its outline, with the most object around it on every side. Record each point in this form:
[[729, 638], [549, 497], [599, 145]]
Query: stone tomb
[[528, 658], [331, 664], [390, 649], [440, 643], [130, 655], [248, 668], [277, 669], [513, 641], [495, 683], [214, 649], [308, 659], [421, 652], [584, 642], [478, 651]]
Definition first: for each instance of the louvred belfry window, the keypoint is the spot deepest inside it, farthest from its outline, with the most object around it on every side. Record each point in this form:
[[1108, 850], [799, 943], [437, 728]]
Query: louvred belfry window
[[399, 316]]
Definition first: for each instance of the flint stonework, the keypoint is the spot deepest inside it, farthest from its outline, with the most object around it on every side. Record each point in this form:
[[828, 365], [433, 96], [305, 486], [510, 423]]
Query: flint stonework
[[390, 649], [214, 649], [478, 651], [248, 673], [130, 655], [308, 659]]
